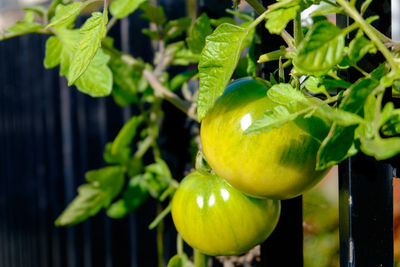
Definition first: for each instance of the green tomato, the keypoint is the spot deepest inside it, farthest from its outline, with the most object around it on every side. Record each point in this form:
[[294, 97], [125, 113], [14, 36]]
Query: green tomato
[[217, 219], [278, 164]]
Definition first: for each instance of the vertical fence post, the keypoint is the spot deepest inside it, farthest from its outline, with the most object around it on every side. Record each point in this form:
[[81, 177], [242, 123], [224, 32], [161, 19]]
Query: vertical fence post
[[366, 192], [285, 245]]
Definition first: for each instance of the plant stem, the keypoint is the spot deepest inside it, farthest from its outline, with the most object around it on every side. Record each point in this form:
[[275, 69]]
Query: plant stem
[[160, 242], [200, 259], [163, 92], [179, 244], [5, 36], [260, 9], [353, 13], [256, 6], [298, 31], [111, 23]]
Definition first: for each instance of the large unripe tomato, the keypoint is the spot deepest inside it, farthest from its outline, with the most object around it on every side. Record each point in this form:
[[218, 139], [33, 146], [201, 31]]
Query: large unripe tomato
[[217, 219], [277, 164]]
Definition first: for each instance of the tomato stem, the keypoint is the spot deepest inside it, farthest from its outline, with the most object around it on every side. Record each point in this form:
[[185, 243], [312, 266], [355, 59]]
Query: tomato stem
[[200, 259], [160, 242], [353, 13]]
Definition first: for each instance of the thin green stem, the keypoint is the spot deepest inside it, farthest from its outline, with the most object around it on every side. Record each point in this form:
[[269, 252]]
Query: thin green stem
[[256, 6], [298, 31], [366, 74], [160, 241], [5, 36], [179, 244], [111, 23], [260, 9], [353, 13], [258, 20], [200, 259]]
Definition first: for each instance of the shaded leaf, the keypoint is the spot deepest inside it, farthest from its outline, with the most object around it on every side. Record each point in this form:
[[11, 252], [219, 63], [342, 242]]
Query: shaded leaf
[[66, 14], [321, 49], [175, 28], [381, 148], [122, 8], [271, 119], [53, 51], [198, 33], [134, 196], [126, 135], [104, 185], [153, 14], [336, 147], [217, 63], [359, 47], [92, 32], [279, 18]]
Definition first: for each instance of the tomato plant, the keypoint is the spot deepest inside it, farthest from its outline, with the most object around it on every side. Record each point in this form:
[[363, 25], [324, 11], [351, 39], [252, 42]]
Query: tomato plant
[[266, 137], [278, 164], [217, 219]]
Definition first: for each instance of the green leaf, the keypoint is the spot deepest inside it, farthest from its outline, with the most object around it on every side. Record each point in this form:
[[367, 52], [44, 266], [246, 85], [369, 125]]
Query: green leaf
[[104, 185], [357, 95], [198, 33], [337, 146], [122, 157], [284, 93], [126, 135], [157, 178], [134, 196], [279, 18], [359, 47], [122, 8], [97, 80], [53, 51], [321, 49], [89, 202], [313, 84], [180, 261], [381, 148], [26, 26], [153, 14], [331, 84], [66, 14], [217, 63], [271, 119], [175, 28], [39, 10], [180, 79], [108, 179], [339, 116], [177, 54], [93, 31], [323, 10], [126, 77], [392, 125]]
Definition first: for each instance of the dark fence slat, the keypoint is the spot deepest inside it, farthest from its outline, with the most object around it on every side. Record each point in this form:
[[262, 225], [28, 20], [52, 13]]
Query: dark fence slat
[[366, 188], [285, 245]]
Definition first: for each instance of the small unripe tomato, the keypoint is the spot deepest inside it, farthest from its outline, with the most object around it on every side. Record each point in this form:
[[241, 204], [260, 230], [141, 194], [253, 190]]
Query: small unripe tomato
[[277, 164], [217, 219]]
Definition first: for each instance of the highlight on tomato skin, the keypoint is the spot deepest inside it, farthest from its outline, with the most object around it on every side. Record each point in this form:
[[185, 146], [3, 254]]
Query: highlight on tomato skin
[[217, 219], [278, 164]]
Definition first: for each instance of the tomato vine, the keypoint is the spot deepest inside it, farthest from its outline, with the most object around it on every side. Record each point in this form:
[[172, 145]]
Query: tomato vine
[[313, 56]]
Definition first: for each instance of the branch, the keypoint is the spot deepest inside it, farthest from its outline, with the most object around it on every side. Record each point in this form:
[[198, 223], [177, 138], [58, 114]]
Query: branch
[[260, 9], [5, 35], [161, 91]]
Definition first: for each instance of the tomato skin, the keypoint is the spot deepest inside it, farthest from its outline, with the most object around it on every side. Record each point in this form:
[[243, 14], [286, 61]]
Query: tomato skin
[[215, 218], [278, 164]]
